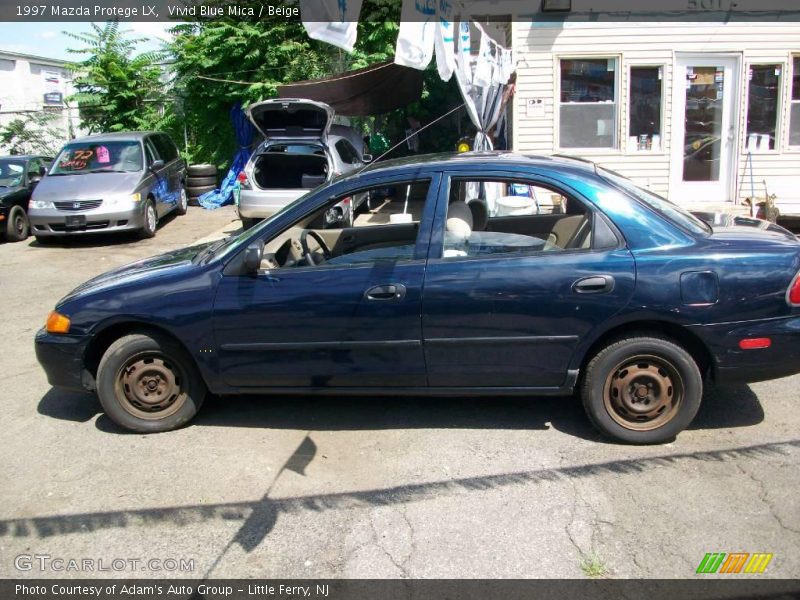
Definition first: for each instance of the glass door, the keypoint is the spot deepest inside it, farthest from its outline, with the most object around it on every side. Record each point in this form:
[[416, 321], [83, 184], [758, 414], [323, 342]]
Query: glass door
[[704, 129]]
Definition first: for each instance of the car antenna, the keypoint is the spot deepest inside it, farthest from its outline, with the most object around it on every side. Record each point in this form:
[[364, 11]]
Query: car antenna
[[404, 140]]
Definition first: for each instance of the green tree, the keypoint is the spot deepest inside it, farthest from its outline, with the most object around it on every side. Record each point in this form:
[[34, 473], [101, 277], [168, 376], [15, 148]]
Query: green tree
[[116, 89], [33, 133]]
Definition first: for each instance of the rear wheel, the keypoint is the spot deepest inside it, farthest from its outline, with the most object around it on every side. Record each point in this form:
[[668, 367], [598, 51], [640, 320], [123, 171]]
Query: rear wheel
[[642, 390], [17, 225], [147, 383]]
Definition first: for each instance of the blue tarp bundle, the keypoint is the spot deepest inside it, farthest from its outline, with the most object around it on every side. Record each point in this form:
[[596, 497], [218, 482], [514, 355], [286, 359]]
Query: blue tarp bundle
[[244, 132]]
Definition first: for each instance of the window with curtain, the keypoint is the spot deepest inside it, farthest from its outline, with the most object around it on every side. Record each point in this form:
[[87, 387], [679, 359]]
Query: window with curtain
[[588, 103]]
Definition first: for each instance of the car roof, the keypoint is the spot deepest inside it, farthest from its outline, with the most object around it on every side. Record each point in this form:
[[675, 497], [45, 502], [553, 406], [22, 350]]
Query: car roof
[[121, 136], [24, 156], [482, 159]]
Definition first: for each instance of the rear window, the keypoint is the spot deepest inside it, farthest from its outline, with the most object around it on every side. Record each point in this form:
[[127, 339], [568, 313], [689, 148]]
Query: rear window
[[664, 207], [297, 149], [99, 157]]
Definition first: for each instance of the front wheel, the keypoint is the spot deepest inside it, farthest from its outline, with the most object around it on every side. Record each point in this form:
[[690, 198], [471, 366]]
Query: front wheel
[[183, 202], [147, 383], [642, 390], [150, 220], [17, 227]]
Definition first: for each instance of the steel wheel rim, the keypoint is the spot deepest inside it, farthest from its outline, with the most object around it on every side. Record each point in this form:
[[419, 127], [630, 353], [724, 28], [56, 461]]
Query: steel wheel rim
[[151, 218], [643, 393], [19, 224], [151, 386]]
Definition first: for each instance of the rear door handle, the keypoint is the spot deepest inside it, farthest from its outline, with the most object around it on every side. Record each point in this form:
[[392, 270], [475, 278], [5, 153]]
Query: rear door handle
[[391, 291], [597, 284]]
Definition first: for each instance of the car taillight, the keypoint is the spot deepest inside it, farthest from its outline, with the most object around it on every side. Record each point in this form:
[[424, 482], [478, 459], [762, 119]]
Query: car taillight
[[793, 295], [243, 180]]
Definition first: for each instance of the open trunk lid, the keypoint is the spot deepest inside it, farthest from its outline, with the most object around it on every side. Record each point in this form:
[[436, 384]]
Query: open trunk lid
[[290, 118]]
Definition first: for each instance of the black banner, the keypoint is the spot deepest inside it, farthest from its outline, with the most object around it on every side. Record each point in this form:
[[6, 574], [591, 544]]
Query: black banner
[[733, 588]]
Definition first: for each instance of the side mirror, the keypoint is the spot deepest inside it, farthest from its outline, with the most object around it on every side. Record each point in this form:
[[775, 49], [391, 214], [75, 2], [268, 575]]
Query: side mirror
[[34, 178], [367, 158], [252, 257], [157, 164], [42, 171]]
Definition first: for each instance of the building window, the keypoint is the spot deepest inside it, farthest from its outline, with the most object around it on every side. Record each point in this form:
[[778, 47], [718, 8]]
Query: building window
[[588, 108], [762, 107], [644, 125], [794, 128]]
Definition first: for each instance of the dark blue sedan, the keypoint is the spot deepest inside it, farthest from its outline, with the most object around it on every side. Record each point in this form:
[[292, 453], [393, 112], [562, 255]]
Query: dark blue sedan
[[476, 274]]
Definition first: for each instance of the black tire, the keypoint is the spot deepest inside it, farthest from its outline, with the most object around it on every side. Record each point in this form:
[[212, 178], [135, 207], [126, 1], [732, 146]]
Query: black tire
[[147, 383], [248, 223], [17, 225], [194, 192], [643, 389], [43, 240], [201, 181], [149, 224], [183, 202], [202, 170]]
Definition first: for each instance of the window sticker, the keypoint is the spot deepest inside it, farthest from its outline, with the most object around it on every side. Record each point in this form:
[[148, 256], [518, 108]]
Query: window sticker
[[102, 154]]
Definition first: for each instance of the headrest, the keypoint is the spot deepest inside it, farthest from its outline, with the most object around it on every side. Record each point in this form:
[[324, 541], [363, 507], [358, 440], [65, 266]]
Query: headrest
[[459, 220], [480, 214]]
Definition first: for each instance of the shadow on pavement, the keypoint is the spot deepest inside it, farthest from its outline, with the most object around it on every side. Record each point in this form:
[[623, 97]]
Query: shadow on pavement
[[722, 407]]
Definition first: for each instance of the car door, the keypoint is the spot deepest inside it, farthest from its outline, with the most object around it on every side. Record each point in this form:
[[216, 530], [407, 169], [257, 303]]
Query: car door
[[351, 324], [160, 184], [511, 314], [173, 167]]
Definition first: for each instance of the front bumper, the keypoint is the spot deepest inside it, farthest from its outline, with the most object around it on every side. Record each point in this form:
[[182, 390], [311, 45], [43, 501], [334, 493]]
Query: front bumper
[[732, 364], [52, 222], [61, 357]]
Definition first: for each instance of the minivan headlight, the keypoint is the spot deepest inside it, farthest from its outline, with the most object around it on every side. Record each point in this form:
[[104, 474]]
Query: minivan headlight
[[135, 197], [41, 204]]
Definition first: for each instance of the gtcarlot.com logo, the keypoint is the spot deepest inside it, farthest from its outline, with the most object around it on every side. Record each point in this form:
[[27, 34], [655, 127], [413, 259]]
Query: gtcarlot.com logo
[[46, 562], [735, 562]]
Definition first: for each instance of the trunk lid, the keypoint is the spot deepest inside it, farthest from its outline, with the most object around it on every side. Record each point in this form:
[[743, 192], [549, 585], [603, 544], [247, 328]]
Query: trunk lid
[[291, 118]]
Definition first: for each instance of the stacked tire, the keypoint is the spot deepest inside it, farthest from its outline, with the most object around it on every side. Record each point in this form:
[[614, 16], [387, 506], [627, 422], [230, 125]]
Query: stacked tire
[[199, 180]]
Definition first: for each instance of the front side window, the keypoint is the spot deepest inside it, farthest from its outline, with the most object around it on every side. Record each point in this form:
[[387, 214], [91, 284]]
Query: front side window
[[794, 118], [644, 126], [588, 107], [370, 226], [762, 107], [11, 172], [489, 218], [347, 153], [98, 157]]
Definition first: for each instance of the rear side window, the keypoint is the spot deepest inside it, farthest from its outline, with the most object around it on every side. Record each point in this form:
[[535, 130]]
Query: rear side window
[[347, 152]]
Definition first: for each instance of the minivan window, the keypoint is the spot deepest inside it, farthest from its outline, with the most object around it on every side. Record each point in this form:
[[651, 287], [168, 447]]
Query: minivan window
[[347, 152], [98, 157], [165, 147]]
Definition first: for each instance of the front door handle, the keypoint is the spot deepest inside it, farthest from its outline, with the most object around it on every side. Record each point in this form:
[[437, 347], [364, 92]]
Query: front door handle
[[391, 291], [597, 284]]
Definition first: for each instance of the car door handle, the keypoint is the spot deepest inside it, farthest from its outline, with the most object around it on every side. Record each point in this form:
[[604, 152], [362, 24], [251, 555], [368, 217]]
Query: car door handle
[[392, 291], [597, 284]]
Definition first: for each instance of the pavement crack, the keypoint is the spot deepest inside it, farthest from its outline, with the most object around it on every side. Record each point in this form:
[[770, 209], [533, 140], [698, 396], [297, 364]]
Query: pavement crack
[[763, 496]]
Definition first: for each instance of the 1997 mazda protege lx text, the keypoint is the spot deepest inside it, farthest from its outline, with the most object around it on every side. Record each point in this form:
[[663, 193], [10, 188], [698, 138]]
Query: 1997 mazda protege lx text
[[454, 282]]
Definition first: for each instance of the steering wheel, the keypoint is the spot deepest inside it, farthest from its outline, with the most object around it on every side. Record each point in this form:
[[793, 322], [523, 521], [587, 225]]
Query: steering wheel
[[326, 252]]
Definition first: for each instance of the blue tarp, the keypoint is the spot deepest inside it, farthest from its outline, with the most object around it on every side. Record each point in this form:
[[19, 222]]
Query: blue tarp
[[244, 132]]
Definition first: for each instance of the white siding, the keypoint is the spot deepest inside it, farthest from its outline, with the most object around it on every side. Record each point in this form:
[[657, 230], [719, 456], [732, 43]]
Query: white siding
[[538, 47]]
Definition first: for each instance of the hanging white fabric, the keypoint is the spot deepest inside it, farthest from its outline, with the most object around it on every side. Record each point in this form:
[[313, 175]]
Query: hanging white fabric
[[444, 45], [332, 21], [463, 56], [418, 28], [485, 64]]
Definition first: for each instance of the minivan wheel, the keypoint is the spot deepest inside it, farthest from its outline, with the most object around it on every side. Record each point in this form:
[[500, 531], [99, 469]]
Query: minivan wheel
[[147, 383], [642, 390], [150, 220], [183, 202], [17, 226]]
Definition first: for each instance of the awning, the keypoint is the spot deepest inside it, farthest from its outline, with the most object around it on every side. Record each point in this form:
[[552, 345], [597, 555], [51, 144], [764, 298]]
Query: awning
[[373, 90]]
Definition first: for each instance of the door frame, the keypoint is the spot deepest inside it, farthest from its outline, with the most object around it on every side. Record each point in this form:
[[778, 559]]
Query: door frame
[[678, 124]]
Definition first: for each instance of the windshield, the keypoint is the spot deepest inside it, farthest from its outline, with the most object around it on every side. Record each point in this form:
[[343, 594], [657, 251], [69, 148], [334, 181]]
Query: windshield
[[99, 157], [667, 209], [11, 172]]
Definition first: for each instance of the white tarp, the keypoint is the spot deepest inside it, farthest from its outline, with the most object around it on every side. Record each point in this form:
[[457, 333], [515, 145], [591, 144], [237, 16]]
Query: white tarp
[[332, 21]]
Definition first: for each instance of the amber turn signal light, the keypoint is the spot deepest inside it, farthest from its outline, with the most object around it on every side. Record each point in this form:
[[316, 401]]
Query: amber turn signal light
[[57, 323]]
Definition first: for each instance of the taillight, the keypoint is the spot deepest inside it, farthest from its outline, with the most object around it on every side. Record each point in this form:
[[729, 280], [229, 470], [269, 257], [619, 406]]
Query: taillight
[[243, 180], [793, 295]]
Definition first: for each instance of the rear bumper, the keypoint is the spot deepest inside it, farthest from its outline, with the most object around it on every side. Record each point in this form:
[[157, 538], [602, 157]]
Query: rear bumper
[[51, 222], [732, 364], [260, 204], [61, 357]]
